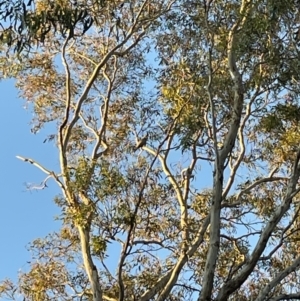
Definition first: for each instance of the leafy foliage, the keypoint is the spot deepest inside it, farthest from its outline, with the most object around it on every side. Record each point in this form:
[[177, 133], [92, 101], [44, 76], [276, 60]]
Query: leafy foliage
[[25, 24], [207, 208]]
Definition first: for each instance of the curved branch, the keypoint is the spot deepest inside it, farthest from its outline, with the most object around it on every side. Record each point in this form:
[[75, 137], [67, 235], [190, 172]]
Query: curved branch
[[242, 146], [237, 281], [286, 297], [45, 170], [268, 288], [97, 69], [229, 141]]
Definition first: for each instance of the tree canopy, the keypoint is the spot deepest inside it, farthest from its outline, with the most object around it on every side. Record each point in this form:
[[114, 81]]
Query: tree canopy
[[27, 23], [177, 128]]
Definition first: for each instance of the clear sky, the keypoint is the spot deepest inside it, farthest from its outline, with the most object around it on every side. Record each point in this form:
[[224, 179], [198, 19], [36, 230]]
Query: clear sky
[[24, 215]]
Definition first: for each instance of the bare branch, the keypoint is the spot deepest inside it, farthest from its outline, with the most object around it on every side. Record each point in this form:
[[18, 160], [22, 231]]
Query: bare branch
[[43, 169], [88, 263], [258, 182], [147, 242]]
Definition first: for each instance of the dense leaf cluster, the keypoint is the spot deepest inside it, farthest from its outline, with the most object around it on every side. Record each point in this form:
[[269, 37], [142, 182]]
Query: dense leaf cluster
[[26, 23]]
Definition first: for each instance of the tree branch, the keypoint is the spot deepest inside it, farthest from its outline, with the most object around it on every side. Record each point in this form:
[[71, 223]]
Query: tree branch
[[45, 170], [280, 276], [237, 281]]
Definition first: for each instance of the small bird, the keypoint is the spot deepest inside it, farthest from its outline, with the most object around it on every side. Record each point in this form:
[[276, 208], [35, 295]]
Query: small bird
[[141, 142]]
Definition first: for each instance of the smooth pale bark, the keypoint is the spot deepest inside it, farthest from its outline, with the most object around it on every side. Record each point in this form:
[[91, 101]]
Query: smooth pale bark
[[91, 270], [215, 210]]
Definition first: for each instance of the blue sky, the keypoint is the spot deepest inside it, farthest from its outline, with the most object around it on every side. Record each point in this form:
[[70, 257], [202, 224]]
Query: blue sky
[[24, 215]]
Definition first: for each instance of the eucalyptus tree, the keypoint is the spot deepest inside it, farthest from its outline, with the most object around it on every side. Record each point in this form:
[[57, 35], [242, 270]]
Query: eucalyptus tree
[[177, 126], [25, 24]]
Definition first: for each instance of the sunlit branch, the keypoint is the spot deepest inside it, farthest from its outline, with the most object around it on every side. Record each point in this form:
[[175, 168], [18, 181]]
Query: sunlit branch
[[181, 197], [265, 235], [212, 107], [283, 236], [172, 277], [228, 145], [187, 178], [207, 124], [94, 76], [111, 277], [84, 57], [84, 233], [43, 185], [276, 280], [90, 268], [215, 208], [87, 126], [222, 154], [106, 298], [45, 170], [170, 176], [104, 115], [166, 282]]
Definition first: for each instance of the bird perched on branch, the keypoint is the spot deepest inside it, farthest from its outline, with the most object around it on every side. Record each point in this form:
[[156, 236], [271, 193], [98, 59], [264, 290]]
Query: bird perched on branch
[[141, 143]]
